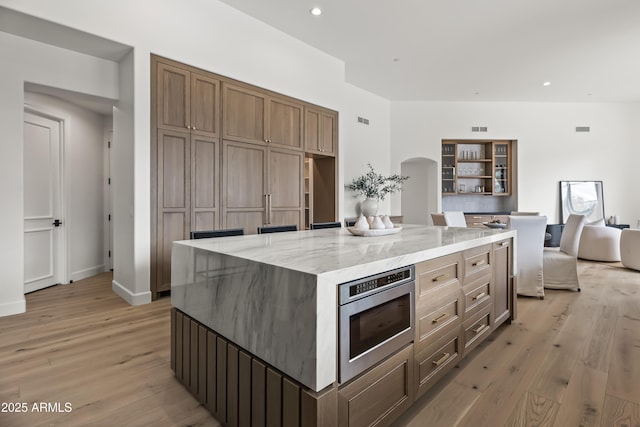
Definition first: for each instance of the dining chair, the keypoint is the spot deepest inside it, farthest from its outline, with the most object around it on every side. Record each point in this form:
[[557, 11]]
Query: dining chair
[[561, 264], [438, 218], [529, 249], [450, 218], [277, 228], [320, 225], [204, 234]]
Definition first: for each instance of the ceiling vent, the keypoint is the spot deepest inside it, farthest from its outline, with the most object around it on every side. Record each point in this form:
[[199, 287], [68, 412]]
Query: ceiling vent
[[478, 129], [363, 120], [583, 129]]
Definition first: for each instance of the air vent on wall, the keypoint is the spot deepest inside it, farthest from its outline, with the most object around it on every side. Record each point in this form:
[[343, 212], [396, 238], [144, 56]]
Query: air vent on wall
[[583, 129], [363, 120], [478, 129]]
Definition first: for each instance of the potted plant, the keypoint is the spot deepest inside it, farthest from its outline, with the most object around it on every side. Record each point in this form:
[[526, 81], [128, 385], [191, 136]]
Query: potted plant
[[375, 187]]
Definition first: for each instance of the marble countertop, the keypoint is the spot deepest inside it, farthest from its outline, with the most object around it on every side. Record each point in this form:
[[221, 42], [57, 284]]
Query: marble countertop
[[337, 254], [275, 294]]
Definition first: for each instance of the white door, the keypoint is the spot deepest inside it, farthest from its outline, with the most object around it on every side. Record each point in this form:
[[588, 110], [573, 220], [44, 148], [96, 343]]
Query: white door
[[42, 202]]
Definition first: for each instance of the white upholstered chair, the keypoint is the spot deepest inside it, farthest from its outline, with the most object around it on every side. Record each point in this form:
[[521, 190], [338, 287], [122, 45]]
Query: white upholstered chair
[[630, 248], [529, 248], [561, 264], [599, 243], [455, 219]]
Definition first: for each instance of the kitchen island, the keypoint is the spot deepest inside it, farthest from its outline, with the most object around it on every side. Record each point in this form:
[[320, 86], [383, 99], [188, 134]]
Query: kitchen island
[[271, 302]]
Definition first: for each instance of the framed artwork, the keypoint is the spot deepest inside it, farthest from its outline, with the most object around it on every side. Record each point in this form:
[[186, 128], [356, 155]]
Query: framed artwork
[[582, 198]]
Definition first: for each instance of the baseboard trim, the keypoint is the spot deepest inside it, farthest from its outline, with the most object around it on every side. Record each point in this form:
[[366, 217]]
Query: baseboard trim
[[87, 272], [130, 297], [14, 307]]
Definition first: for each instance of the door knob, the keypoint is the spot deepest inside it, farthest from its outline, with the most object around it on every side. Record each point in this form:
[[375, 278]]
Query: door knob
[[57, 223]]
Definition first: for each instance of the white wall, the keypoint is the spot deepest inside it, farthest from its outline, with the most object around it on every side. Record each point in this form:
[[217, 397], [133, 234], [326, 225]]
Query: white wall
[[202, 33], [549, 149], [83, 183], [28, 61]]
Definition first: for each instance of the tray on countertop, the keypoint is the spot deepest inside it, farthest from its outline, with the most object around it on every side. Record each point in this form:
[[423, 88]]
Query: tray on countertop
[[374, 232]]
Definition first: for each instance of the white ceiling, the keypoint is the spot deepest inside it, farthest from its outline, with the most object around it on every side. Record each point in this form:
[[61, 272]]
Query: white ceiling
[[473, 50]]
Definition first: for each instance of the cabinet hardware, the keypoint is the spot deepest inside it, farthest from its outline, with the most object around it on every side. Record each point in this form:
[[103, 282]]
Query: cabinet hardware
[[269, 204], [189, 127], [266, 209], [440, 361], [480, 295], [503, 244], [440, 277], [477, 263], [479, 329], [440, 318]]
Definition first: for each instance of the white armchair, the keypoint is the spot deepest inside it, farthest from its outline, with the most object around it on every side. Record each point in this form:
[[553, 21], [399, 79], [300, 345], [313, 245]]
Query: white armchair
[[529, 248], [630, 248], [561, 264], [599, 243]]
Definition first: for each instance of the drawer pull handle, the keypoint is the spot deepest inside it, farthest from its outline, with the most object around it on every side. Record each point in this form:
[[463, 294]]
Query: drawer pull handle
[[503, 244], [440, 361], [480, 295], [440, 318], [441, 277], [477, 263], [479, 329]]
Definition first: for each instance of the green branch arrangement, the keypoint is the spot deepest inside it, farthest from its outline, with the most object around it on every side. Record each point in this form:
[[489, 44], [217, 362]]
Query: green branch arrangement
[[376, 186]]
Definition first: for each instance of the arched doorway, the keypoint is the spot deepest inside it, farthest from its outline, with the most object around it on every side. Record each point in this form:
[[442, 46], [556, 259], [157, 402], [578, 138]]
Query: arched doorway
[[420, 192]]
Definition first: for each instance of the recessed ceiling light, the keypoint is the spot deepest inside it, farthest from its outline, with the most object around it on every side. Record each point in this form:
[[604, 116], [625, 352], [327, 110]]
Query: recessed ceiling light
[[316, 11], [396, 59], [546, 84]]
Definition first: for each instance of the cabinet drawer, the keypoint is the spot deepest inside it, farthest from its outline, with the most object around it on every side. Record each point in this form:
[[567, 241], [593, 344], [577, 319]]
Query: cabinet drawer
[[437, 272], [477, 295], [437, 313], [477, 262], [437, 360], [476, 329], [476, 221], [379, 396]]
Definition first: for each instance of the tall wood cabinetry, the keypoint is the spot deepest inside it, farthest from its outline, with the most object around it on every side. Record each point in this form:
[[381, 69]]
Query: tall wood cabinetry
[[185, 162], [226, 154]]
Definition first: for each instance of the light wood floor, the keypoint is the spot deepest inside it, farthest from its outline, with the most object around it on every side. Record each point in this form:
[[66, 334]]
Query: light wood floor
[[572, 359]]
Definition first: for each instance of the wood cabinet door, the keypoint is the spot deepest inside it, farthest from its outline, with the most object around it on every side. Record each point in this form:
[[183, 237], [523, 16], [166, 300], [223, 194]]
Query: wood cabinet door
[[243, 113], [329, 134], [503, 298], [244, 190], [205, 101], [320, 131], [286, 187], [173, 98], [173, 200], [284, 123], [312, 119], [205, 183]]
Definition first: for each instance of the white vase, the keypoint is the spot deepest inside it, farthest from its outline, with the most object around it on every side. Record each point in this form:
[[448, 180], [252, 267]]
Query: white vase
[[369, 207]]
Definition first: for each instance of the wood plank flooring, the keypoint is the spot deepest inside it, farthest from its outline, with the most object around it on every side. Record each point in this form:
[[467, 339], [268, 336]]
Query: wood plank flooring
[[572, 359]]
